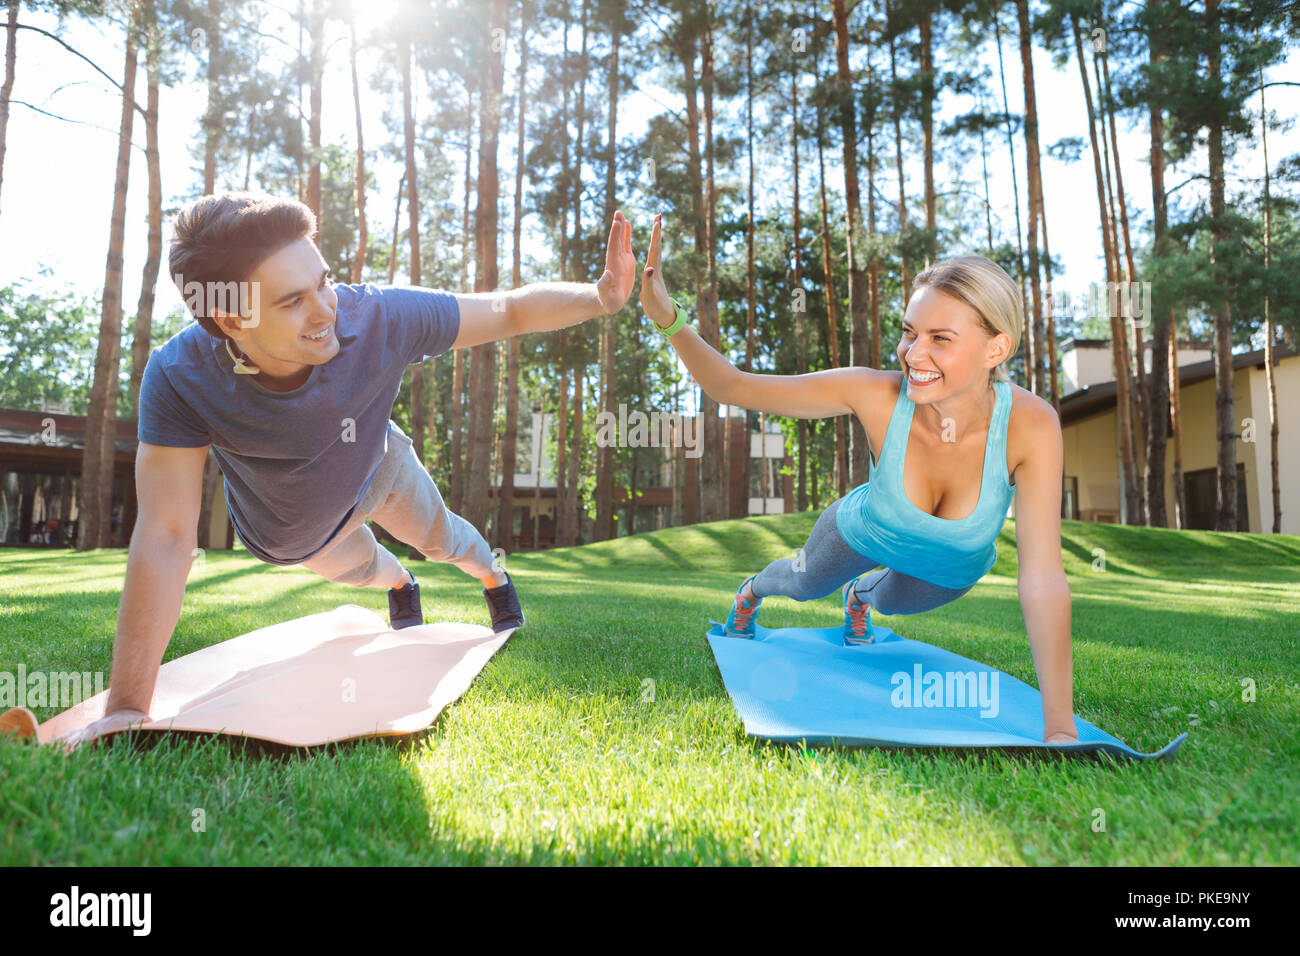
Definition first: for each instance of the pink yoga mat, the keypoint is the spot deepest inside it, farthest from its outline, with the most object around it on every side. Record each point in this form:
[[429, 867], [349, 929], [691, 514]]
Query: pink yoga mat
[[311, 681]]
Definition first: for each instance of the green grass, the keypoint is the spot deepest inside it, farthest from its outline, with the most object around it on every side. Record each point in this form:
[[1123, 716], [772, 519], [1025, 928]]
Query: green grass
[[552, 756]]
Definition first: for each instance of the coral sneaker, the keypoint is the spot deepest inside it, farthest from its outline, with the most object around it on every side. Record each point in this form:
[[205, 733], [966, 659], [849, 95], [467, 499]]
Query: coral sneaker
[[857, 619], [740, 622]]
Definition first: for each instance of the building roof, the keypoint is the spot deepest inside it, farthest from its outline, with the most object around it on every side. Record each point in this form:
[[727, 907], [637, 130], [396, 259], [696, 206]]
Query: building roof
[[1092, 399], [21, 427]]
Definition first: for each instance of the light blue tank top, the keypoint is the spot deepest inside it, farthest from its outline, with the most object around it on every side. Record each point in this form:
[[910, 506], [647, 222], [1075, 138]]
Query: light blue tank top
[[886, 526]]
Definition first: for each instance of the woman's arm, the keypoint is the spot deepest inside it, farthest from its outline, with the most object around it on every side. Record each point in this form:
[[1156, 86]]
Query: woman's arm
[[1044, 590], [836, 391]]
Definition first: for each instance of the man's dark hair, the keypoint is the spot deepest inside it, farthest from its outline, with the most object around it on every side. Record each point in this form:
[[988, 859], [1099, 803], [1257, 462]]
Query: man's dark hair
[[221, 239]]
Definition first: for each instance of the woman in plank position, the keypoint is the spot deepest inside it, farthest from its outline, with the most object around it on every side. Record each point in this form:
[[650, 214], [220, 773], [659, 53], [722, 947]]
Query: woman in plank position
[[975, 440]]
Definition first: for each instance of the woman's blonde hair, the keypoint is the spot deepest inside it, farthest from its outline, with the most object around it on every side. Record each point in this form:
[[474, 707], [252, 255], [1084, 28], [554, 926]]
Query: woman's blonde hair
[[984, 286]]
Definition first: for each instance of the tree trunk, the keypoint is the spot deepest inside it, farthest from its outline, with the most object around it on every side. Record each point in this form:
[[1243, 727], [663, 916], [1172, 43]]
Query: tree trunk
[[153, 259], [1269, 375], [469, 185], [605, 515], [317, 67], [212, 118], [1021, 279], [493, 520], [562, 514], [1123, 400], [927, 134], [715, 482], [397, 220], [860, 336], [905, 267], [1049, 342], [413, 236], [1176, 425], [211, 478], [1131, 509], [456, 489], [95, 527], [483, 365], [573, 527], [1033, 339], [873, 262], [984, 171], [1126, 296], [1225, 516], [359, 260], [1157, 418], [841, 467], [695, 180], [510, 442], [537, 473], [796, 255], [750, 290], [575, 339], [11, 56]]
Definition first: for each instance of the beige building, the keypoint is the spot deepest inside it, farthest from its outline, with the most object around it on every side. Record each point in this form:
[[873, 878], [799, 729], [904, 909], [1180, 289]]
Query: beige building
[[1089, 428]]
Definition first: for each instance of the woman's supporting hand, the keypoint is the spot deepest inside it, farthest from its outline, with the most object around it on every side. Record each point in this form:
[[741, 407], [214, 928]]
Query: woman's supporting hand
[[654, 293]]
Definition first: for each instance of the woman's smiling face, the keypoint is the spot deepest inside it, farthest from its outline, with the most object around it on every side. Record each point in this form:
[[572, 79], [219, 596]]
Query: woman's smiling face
[[944, 348]]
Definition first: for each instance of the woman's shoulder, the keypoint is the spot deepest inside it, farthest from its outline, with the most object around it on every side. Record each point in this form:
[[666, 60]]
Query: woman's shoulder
[[1033, 425]]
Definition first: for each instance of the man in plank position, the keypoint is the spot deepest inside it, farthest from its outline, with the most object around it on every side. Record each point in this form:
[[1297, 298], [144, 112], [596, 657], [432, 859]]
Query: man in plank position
[[291, 382]]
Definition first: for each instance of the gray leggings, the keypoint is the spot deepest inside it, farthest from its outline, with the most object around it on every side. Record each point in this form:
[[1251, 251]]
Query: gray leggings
[[827, 562]]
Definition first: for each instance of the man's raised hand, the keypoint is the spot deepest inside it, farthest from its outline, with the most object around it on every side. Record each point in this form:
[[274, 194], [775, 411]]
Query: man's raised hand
[[615, 285]]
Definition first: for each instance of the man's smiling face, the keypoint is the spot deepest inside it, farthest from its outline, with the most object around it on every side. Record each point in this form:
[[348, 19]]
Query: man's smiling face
[[293, 315]]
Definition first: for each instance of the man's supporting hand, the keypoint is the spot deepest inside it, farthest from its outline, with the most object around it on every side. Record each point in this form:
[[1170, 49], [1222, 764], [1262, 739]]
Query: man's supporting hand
[[111, 724]]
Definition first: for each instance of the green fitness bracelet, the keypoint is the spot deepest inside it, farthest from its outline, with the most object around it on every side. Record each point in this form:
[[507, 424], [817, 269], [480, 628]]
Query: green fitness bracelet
[[677, 326]]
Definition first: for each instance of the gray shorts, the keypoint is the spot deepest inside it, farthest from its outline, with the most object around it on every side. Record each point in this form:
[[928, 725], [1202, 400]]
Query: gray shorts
[[404, 501]]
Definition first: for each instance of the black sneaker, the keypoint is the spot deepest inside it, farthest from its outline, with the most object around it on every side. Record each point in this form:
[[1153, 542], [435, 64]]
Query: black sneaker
[[503, 603], [404, 606]]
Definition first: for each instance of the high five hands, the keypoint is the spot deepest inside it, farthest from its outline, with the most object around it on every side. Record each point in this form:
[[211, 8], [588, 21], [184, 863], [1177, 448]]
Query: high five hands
[[615, 286]]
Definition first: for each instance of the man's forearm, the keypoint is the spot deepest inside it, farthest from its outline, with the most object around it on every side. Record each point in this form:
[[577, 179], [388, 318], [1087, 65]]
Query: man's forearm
[[156, 569], [1046, 606], [544, 306]]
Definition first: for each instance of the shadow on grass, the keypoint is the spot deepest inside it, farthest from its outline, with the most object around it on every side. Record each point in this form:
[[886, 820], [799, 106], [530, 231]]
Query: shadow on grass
[[669, 553]]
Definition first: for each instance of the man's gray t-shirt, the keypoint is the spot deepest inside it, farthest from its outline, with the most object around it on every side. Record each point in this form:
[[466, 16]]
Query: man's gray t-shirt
[[297, 463]]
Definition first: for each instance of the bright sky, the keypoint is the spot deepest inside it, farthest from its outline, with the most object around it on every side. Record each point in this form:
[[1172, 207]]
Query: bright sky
[[58, 177]]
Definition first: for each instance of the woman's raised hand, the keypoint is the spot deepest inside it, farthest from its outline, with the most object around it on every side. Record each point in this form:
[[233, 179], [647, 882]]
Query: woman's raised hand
[[654, 294]]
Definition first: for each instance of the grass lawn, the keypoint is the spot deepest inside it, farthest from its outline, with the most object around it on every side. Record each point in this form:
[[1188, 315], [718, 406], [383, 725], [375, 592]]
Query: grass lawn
[[553, 756]]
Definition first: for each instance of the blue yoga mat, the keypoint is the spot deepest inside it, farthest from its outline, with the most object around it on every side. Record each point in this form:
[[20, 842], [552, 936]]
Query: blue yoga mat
[[802, 684]]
